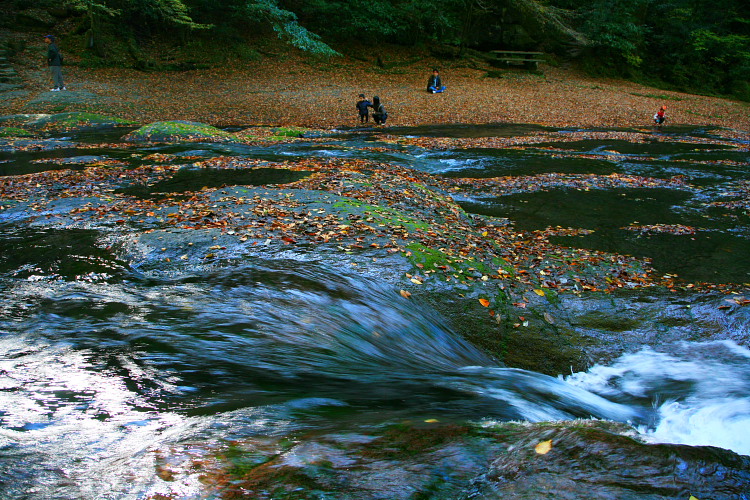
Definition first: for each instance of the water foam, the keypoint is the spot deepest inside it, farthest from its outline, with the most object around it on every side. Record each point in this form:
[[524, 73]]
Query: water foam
[[699, 392]]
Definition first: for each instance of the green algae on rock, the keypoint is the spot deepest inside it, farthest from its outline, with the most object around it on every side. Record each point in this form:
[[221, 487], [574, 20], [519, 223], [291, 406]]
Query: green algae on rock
[[14, 132], [75, 120], [183, 131]]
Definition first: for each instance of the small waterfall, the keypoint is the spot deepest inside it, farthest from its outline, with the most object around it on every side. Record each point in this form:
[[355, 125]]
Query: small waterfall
[[699, 392]]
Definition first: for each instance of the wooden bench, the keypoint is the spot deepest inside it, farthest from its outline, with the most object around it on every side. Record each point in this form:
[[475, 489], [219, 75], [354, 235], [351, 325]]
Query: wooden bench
[[529, 60]]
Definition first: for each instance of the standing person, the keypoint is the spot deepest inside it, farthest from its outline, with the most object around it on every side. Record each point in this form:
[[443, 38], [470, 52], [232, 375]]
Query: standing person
[[54, 61], [378, 111], [362, 105], [659, 117], [434, 84]]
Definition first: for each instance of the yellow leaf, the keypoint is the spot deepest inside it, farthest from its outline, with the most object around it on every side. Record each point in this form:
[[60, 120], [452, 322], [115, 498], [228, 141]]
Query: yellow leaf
[[432, 420], [539, 292], [543, 447], [692, 498], [416, 281], [405, 294], [484, 302]]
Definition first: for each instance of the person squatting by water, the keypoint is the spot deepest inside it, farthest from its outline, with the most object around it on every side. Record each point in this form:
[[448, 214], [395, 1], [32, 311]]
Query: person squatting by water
[[54, 61], [362, 106], [659, 117], [434, 83], [378, 111]]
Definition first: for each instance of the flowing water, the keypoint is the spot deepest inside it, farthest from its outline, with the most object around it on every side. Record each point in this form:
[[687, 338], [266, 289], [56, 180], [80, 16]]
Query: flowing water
[[106, 366]]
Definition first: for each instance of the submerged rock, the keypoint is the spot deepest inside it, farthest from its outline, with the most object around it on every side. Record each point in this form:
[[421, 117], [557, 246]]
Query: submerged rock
[[562, 460], [171, 131]]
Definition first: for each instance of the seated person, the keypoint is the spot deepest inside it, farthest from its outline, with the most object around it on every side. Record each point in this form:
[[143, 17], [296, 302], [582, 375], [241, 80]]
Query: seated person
[[378, 114], [660, 117], [434, 84]]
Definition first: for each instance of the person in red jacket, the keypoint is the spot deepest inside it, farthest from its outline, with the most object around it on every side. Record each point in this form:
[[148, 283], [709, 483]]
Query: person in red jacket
[[659, 116]]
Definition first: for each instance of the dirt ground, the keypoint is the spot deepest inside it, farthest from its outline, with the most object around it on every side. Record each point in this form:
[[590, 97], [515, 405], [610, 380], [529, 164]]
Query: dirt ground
[[288, 88]]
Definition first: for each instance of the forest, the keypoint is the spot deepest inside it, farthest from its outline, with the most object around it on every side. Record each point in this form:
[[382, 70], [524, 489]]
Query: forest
[[687, 45]]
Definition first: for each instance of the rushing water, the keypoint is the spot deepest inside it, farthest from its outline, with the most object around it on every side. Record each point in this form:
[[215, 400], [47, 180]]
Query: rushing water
[[103, 363]]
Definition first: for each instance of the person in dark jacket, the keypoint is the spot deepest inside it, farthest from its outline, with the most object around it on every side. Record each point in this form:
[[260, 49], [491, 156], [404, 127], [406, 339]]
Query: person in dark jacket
[[434, 84], [54, 61], [378, 111], [362, 106]]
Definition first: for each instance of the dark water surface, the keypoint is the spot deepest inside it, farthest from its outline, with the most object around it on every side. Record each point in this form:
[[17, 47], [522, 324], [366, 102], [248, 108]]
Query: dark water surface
[[104, 362]]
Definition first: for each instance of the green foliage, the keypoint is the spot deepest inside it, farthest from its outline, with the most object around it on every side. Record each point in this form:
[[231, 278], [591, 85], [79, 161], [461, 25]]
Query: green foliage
[[285, 24], [692, 45]]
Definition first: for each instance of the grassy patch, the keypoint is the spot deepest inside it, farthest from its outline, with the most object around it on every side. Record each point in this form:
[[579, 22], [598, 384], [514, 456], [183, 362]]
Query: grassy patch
[[661, 97]]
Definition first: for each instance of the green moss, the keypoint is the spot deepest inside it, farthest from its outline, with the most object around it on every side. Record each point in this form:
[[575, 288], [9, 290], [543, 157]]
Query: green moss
[[432, 258], [179, 131], [287, 132], [14, 132], [382, 215]]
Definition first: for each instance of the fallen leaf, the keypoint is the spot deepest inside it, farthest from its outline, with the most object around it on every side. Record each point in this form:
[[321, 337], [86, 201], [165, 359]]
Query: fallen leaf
[[543, 447], [548, 318], [405, 294], [432, 420], [539, 292], [484, 302]]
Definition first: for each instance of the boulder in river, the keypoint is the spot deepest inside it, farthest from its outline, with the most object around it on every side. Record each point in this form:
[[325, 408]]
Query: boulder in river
[[172, 131]]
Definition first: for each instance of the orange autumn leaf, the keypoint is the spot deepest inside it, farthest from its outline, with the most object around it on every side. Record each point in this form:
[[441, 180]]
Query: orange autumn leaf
[[484, 302], [543, 447]]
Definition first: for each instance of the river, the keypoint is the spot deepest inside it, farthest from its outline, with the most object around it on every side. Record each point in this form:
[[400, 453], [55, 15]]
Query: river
[[113, 371]]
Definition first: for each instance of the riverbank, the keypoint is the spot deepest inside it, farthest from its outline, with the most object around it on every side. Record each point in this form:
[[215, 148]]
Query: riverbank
[[287, 88]]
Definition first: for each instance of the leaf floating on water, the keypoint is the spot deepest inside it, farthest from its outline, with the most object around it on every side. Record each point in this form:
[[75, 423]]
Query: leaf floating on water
[[416, 281], [432, 420], [543, 447], [692, 498], [548, 318], [484, 302], [405, 294], [539, 292]]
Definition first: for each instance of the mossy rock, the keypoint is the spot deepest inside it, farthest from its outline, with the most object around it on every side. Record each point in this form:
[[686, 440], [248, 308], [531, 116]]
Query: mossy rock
[[183, 131], [77, 120], [271, 134], [14, 132], [64, 121]]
